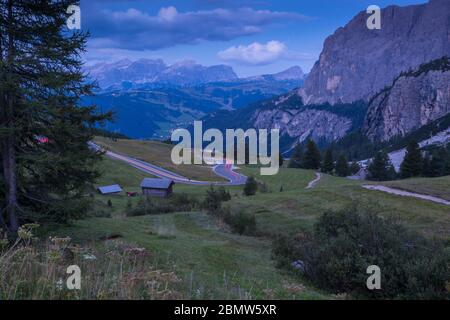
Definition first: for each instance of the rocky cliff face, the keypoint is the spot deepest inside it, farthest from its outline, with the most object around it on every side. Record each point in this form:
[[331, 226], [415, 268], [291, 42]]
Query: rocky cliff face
[[357, 62], [415, 99], [319, 125]]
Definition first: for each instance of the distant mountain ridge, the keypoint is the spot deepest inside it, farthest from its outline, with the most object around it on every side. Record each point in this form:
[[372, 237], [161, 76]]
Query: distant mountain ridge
[[157, 71], [148, 73]]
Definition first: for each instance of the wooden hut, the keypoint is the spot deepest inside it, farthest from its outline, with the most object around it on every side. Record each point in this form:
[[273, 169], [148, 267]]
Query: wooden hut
[[157, 187]]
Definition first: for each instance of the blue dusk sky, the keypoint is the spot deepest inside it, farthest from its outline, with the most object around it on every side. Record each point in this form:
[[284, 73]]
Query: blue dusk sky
[[253, 36]]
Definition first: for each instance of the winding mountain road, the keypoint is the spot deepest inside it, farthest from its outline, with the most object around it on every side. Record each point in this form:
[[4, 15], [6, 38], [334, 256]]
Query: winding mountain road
[[222, 170]]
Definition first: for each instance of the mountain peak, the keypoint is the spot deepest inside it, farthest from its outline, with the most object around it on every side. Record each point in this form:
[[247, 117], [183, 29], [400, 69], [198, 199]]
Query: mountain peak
[[291, 73]]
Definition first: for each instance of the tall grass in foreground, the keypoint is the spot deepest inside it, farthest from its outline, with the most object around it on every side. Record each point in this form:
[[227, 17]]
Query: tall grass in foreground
[[33, 269]]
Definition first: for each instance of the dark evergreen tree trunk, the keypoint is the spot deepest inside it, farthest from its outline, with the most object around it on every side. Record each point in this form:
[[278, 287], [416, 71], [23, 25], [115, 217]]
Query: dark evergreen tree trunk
[[8, 125]]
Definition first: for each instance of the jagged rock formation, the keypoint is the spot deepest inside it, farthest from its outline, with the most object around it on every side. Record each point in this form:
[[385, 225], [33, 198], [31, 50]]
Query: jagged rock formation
[[357, 62], [414, 99], [297, 122], [319, 125]]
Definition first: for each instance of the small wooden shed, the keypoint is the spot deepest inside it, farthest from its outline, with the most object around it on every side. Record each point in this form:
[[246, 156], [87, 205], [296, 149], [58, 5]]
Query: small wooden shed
[[157, 187], [115, 188]]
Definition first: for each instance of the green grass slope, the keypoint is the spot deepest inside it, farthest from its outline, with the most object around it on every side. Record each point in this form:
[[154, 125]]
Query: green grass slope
[[297, 208], [157, 153]]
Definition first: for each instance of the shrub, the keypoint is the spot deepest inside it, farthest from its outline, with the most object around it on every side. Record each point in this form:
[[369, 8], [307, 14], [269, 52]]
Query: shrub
[[214, 198], [241, 222], [344, 243], [224, 195], [251, 186]]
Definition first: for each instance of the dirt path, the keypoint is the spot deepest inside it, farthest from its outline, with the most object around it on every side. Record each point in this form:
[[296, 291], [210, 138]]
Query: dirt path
[[313, 183], [403, 193]]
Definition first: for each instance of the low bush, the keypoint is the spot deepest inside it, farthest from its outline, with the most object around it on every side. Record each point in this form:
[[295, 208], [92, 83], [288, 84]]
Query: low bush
[[214, 198], [153, 205], [241, 222], [251, 186], [335, 257]]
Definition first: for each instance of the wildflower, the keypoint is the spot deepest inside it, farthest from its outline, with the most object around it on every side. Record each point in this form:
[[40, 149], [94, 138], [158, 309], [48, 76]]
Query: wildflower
[[54, 255], [60, 242], [24, 233], [89, 257], [59, 284]]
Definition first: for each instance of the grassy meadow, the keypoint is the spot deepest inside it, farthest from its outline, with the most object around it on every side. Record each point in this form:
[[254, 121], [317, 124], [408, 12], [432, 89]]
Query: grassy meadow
[[209, 261]]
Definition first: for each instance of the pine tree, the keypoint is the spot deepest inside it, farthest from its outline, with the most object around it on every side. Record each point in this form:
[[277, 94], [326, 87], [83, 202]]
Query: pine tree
[[328, 164], [380, 168], [311, 158], [354, 167], [439, 162], [41, 83], [447, 167], [250, 186], [296, 157], [413, 161], [426, 166], [342, 168]]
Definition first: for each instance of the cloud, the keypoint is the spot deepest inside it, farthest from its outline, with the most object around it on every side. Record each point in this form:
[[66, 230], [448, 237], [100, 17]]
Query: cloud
[[255, 53], [133, 29]]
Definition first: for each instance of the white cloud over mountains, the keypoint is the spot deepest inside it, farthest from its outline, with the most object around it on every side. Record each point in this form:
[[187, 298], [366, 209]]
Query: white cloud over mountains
[[255, 53]]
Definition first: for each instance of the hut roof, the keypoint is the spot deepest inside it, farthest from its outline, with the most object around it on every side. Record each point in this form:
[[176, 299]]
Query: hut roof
[[154, 183], [110, 189]]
